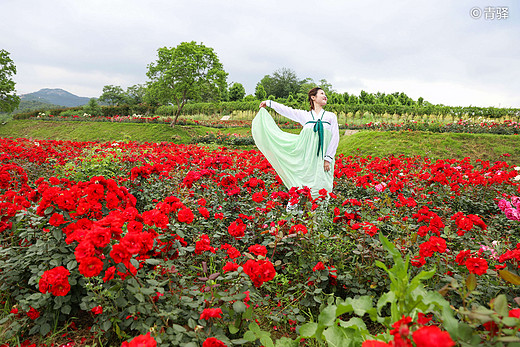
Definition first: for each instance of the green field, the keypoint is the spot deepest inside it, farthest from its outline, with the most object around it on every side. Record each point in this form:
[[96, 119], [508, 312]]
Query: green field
[[365, 143]]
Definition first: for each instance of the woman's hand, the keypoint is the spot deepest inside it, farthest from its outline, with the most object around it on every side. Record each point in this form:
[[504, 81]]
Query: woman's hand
[[326, 166], [263, 104]]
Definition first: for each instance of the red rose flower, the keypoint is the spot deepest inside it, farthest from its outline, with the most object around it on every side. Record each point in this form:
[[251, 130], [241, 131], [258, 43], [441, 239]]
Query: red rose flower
[[33, 314], [319, 266], [237, 228], [476, 266], [432, 335], [298, 228], [97, 310], [259, 271], [141, 341], [90, 266], [417, 261], [211, 313], [230, 266], [374, 343], [204, 212], [213, 342], [55, 281], [515, 313], [56, 220], [258, 250], [185, 215]]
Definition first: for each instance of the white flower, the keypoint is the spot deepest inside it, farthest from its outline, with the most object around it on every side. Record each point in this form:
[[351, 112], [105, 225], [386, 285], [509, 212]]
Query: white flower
[[517, 168]]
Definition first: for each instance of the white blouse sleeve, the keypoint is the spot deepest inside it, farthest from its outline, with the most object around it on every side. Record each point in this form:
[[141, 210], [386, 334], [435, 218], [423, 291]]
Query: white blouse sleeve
[[299, 116], [334, 141]]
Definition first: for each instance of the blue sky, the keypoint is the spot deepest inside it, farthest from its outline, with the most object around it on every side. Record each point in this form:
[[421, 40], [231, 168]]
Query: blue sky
[[430, 49]]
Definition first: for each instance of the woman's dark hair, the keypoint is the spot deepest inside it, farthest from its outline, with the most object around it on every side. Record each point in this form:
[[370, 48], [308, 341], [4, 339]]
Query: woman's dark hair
[[313, 92]]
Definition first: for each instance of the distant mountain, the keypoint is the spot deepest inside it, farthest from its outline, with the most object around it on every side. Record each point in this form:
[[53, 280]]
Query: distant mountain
[[56, 97]]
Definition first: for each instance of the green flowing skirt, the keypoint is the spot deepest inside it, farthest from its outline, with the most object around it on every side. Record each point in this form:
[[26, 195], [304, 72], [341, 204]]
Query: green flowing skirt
[[294, 157]]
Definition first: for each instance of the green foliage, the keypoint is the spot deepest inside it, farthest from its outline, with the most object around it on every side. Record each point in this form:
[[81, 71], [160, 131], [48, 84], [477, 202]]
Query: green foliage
[[92, 107], [187, 72], [282, 83], [260, 92], [93, 163], [236, 92], [113, 95], [8, 99]]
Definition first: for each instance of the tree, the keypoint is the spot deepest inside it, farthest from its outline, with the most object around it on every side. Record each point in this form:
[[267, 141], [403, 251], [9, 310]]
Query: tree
[[326, 86], [113, 95], [282, 83], [260, 92], [92, 108], [187, 72], [306, 85], [135, 94], [285, 82], [9, 101], [236, 92]]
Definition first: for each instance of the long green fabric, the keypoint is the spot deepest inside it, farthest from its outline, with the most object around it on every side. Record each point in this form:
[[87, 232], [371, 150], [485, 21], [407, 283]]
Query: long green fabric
[[293, 156]]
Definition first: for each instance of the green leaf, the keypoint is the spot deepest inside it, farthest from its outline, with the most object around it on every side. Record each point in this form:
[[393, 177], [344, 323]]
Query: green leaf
[[266, 341], [327, 316], [66, 309], [178, 328], [250, 336], [308, 330], [45, 328], [140, 297], [509, 277], [286, 342], [500, 305], [233, 329], [337, 337], [239, 307], [254, 327], [471, 282], [106, 325]]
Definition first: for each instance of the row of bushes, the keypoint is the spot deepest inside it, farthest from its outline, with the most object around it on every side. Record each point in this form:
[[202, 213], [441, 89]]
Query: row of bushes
[[228, 107]]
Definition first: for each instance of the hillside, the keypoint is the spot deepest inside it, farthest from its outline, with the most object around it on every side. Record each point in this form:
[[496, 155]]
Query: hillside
[[56, 97]]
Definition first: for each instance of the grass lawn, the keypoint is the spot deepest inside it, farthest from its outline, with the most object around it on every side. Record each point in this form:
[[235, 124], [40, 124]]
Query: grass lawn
[[434, 145]]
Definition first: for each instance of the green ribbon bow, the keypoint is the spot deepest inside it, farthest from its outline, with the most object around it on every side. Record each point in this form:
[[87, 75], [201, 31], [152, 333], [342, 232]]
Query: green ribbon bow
[[318, 127]]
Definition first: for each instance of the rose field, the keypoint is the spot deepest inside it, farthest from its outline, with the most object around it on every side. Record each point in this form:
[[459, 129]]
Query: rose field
[[162, 244]]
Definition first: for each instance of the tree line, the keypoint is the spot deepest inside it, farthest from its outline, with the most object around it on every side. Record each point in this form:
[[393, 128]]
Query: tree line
[[190, 78]]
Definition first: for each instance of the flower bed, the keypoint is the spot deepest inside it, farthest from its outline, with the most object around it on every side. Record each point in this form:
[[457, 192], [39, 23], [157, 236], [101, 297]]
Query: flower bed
[[175, 245]]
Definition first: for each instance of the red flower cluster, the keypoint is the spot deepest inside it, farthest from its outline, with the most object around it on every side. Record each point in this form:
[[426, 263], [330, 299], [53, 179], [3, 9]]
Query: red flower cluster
[[423, 336], [237, 228], [203, 245], [213, 342], [141, 341], [209, 313], [465, 223], [55, 281], [434, 244], [476, 266], [259, 271]]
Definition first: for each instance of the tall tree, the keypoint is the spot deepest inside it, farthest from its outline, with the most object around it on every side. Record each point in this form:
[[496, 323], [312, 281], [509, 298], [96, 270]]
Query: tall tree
[[260, 92], [113, 95], [237, 92], [306, 85], [285, 83], [9, 101], [135, 94], [186, 72]]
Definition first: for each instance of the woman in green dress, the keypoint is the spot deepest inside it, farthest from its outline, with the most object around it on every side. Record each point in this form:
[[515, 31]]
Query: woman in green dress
[[304, 160]]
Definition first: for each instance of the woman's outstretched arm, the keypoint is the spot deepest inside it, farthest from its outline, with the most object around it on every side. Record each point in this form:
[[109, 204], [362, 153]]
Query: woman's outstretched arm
[[299, 116]]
